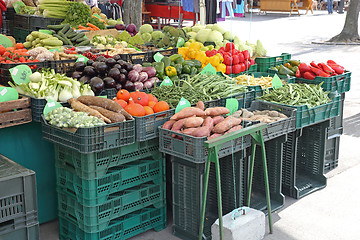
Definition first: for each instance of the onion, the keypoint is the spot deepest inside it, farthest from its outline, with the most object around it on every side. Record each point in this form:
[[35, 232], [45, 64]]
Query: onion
[[148, 84], [137, 67], [133, 76], [143, 77], [138, 86], [151, 72]]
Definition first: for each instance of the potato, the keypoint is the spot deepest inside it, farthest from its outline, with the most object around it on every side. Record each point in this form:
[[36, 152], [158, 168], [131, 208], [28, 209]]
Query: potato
[[225, 125], [247, 113], [237, 114], [215, 135], [283, 115], [209, 122], [218, 119], [202, 132], [188, 112], [168, 125], [273, 113], [257, 112], [178, 125], [189, 131], [200, 104], [216, 111], [193, 122], [233, 129]]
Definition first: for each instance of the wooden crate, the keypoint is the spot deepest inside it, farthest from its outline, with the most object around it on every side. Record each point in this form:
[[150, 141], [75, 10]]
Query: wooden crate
[[15, 112]]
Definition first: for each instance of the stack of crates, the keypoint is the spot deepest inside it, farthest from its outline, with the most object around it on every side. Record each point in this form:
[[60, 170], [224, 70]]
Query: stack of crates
[[7, 22], [18, 202], [108, 185]]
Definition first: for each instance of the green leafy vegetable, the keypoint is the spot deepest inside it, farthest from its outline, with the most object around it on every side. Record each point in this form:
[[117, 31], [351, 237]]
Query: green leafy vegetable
[[80, 14]]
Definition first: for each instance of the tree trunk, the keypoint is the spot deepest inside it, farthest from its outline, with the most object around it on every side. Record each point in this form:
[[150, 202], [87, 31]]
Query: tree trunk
[[133, 12], [350, 31]]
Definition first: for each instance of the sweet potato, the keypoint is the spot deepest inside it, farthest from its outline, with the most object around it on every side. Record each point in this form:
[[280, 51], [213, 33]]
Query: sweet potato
[[188, 112], [104, 103], [113, 116], [209, 122], [178, 125], [233, 129], [202, 132], [200, 105], [215, 135], [218, 119], [189, 131], [78, 106], [225, 125], [216, 111], [168, 125], [193, 122]]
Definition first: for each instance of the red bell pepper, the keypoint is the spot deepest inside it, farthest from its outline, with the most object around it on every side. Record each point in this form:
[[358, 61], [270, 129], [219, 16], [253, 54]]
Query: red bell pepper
[[309, 75], [303, 67], [229, 47], [236, 69], [246, 54], [326, 68], [298, 73], [252, 61], [227, 60], [336, 67], [243, 67], [228, 70], [235, 59], [241, 57], [319, 72]]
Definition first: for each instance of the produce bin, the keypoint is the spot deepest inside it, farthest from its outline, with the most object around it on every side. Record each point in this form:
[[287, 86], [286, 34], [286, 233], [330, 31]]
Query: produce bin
[[24, 145], [20, 34], [88, 140], [34, 23], [90, 192], [244, 99], [22, 21], [274, 156], [147, 126], [303, 161], [306, 116], [110, 93], [264, 63], [336, 123], [98, 217], [193, 149], [15, 112], [98, 164], [7, 28], [37, 108], [31, 232], [123, 227], [339, 83], [18, 201], [277, 128], [187, 184], [136, 58], [164, 52], [332, 154], [62, 66]]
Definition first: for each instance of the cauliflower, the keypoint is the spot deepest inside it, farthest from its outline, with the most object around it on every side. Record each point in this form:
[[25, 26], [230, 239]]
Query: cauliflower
[[217, 27], [146, 28], [146, 37], [187, 29], [202, 35], [156, 35], [215, 36]]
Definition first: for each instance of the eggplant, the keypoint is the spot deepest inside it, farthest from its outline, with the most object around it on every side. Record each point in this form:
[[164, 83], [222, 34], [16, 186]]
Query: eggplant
[[100, 59], [84, 79], [110, 62], [148, 84], [89, 71], [76, 75], [123, 79], [143, 77], [109, 82], [121, 62], [123, 71], [115, 74], [97, 85], [90, 62], [128, 66], [129, 86], [137, 67], [116, 57], [133, 76], [79, 66], [118, 66], [118, 87], [101, 68]]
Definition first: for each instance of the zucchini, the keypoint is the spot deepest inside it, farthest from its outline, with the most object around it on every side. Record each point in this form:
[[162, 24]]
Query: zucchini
[[60, 38], [70, 36], [69, 32], [64, 29], [79, 40], [67, 41], [80, 35], [55, 27], [85, 42]]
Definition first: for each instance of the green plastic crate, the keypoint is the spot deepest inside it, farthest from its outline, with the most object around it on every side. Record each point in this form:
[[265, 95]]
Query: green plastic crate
[[303, 161], [187, 184], [110, 93], [121, 228], [332, 154], [244, 99], [259, 90], [30, 232], [94, 139], [278, 128], [336, 123], [306, 116], [97, 218], [274, 155], [96, 165], [264, 63], [340, 83], [252, 68], [97, 191]]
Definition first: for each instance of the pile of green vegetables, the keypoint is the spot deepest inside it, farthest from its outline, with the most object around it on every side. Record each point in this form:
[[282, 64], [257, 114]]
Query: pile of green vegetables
[[66, 117], [311, 95], [68, 36], [80, 14]]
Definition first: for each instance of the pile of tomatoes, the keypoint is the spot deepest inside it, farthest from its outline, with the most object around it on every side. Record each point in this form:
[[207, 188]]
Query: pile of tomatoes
[[17, 54]]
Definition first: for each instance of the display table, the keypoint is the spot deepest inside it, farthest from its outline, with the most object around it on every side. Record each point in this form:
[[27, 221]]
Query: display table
[[24, 144], [286, 6]]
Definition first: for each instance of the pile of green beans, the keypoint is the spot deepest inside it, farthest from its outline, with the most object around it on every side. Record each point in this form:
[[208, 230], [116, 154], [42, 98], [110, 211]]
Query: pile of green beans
[[293, 94]]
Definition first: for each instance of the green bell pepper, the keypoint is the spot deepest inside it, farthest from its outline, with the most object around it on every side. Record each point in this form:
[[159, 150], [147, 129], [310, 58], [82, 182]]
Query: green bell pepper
[[160, 68], [178, 68], [146, 64], [193, 71], [174, 57], [186, 69], [180, 60], [166, 61], [285, 71], [188, 63], [197, 63]]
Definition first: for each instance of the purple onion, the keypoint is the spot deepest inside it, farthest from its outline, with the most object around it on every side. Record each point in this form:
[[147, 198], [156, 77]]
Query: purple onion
[[138, 86]]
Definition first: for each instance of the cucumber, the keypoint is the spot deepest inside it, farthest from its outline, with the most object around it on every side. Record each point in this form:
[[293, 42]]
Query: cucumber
[[80, 35], [55, 27], [69, 32], [79, 40], [64, 29], [85, 42], [71, 35], [61, 39], [67, 41]]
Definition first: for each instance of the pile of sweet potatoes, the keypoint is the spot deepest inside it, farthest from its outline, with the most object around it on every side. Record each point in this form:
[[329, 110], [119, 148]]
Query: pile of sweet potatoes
[[198, 122]]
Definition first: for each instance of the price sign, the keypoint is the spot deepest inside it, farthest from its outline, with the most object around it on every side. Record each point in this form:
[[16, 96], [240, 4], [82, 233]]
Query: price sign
[[8, 94], [20, 74], [45, 31], [17, 6], [232, 104], [276, 82], [50, 106], [180, 42], [82, 58], [158, 56], [182, 104], [5, 41], [166, 82], [209, 69]]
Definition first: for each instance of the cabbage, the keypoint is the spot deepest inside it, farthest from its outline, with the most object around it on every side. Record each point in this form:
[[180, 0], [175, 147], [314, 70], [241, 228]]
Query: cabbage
[[197, 28], [215, 36], [209, 26], [156, 35], [203, 34], [228, 36], [236, 40], [187, 29], [260, 51], [146, 37], [146, 28], [217, 27], [192, 35]]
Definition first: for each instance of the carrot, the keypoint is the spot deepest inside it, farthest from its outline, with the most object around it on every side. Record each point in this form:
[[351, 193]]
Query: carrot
[[82, 27], [78, 106], [92, 26]]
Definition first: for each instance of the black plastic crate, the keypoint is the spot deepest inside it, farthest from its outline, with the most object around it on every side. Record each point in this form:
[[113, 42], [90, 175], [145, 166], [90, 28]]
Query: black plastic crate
[[336, 123], [110, 93], [30, 232], [5, 75], [147, 127], [62, 66], [274, 156], [136, 58], [20, 34], [34, 23], [332, 154], [7, 27], [37, 108], [187, 184], [18, 193], [244, 99], [88, 140], [22, 21], [277, 128], [164, 52], [303, 160]]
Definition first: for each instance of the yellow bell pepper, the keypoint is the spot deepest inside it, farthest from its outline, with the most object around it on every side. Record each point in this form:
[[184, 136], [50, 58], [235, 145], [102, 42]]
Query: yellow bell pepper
[[183, 51], [221, 68], [221, 57], [214, 60], [170, 71], [195, 46], [192, 53]]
